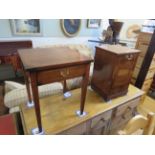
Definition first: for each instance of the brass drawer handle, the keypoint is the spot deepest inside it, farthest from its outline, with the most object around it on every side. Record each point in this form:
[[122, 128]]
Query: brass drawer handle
[[64, 73], [129, 57]]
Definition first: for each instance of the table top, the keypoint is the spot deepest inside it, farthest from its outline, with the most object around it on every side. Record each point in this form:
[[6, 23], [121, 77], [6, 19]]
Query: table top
[[118, 49], [48, 58], [58, 114]]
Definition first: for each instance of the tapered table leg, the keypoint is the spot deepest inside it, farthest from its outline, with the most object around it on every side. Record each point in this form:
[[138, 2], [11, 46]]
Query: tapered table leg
[[64, 86], [28, 88], [85, 82], [36, 100]]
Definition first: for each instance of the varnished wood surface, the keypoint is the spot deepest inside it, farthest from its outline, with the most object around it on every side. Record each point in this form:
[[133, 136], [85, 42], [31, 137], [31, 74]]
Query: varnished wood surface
[[58, 114], [8, 52], [118, 49], [45, 58], [112, 72], [11, 47]]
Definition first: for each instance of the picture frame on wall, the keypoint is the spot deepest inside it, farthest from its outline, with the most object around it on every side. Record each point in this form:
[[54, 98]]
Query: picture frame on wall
[[28, 27], [70, 27], [93, 23]]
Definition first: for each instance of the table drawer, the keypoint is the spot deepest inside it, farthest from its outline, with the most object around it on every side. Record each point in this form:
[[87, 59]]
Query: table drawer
[[127, 107], [60, 74]]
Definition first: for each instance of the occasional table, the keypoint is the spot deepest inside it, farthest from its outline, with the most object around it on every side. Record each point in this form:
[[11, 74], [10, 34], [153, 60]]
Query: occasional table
[[46, 65]]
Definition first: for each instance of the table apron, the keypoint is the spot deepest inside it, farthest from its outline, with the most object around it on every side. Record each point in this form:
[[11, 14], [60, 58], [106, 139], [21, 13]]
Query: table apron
[[44, 77]]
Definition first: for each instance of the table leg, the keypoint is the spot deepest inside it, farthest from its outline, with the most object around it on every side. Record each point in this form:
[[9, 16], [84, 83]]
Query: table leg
[[84, 88], [36, 100], [27, 87], [64, 86]]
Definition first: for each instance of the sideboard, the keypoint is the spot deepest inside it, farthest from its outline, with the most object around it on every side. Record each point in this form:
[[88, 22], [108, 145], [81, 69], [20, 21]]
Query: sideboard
[[58, 114]]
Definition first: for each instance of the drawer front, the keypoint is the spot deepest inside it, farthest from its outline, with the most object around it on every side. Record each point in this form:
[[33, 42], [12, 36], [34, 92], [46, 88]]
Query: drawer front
[[99, 124], [146, 85], [96, 121], [60, 74], [127, 107], [77, 130], [119, 122]]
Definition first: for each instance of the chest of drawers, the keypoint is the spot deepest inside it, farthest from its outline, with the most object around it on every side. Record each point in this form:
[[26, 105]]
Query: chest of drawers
[[112, 70]]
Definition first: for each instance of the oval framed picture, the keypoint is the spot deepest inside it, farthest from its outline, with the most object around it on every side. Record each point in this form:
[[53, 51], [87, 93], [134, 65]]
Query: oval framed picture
[[70, 27]]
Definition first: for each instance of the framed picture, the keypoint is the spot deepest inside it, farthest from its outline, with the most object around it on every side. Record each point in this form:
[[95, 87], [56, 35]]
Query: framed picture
[[30, 27], [70, 27], [93, 23]]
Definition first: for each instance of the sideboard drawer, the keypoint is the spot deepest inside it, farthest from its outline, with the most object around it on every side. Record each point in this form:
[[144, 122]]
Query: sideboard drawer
[[77, 130], [127, 107], [102, 117], [99, 123], [60, 74]]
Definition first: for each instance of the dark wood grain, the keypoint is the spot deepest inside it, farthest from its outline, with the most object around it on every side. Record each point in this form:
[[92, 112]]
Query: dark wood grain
[[56, 57], [48, 65], [8, 52], [112, 70], [35, 93]]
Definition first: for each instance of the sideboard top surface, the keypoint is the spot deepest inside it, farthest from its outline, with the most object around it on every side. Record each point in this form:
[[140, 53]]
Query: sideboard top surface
[[58, 114]]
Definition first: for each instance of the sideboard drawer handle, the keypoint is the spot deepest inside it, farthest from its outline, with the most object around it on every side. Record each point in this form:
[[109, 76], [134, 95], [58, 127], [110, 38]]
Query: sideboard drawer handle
[[128, 109]]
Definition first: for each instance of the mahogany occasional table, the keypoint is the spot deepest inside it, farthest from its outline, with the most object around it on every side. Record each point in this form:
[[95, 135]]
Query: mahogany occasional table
[[46, 65]]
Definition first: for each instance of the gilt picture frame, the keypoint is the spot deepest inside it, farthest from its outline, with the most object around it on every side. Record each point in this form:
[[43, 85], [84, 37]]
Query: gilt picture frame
[[26, 27], [70, 27], [93, 23]]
